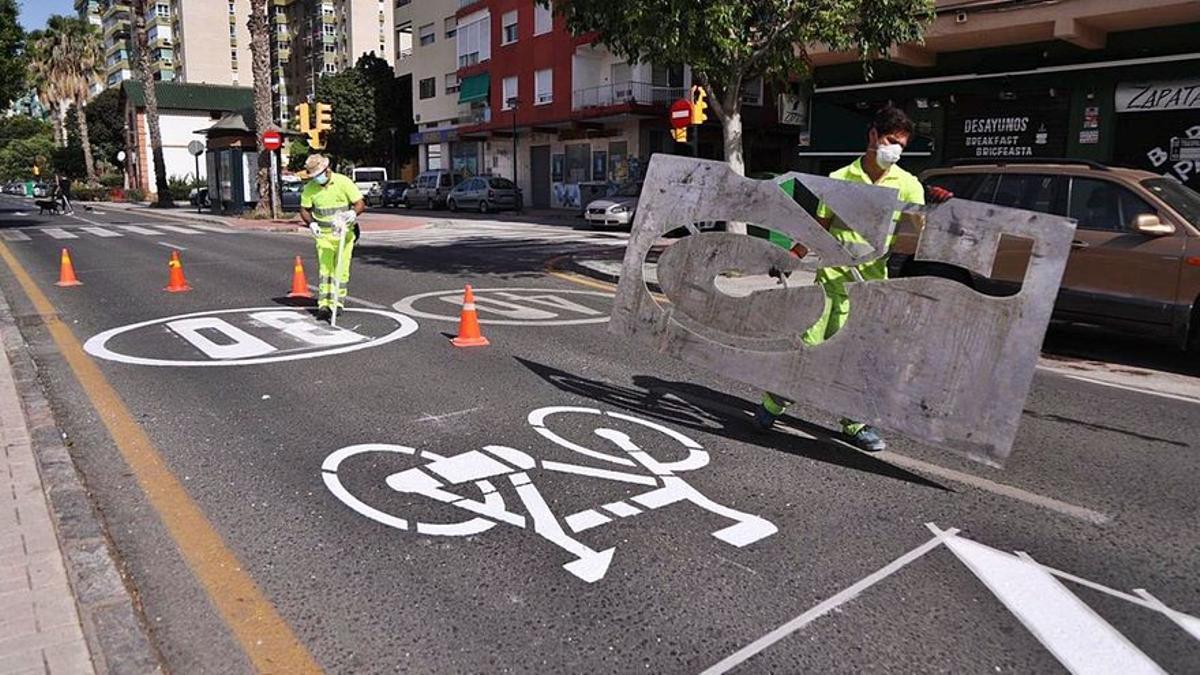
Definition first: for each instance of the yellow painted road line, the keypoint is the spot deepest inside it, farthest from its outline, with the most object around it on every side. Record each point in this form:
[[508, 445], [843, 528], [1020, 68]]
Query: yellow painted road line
[[265, 637]]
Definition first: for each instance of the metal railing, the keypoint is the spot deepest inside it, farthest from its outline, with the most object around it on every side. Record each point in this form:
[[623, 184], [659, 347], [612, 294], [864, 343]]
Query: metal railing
[[620, 93]]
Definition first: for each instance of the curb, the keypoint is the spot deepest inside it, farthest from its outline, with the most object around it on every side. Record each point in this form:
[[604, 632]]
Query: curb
[[109, 613], [570, 263]]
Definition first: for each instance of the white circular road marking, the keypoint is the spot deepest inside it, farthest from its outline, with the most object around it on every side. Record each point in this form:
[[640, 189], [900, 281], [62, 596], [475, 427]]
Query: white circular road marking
[[262, 353], [537, 307]]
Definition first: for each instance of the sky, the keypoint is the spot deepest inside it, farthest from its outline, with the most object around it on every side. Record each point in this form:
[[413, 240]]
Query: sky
[[33, 13]]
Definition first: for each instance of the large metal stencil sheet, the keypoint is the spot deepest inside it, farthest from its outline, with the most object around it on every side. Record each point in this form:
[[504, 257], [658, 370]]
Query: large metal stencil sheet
[[926, 357]]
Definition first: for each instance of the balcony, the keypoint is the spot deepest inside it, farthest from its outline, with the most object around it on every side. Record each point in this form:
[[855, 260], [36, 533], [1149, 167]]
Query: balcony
[[473, 114], [625, 94]]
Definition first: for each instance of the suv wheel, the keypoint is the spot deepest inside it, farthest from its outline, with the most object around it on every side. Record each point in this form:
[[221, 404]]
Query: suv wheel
[[429, 204], [451, 204], [484, 207]]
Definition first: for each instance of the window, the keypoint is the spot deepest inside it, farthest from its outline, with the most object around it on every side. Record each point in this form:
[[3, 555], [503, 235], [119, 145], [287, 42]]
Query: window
[[428, 36], [451, 27], [428, 87], [1046, 194], [543, 18], [543, 86], [578, 163], [963, 185], [451, 83], [1100, 205], [164, 11], [509, 21], [433, 159], [474, 39], [508, 92], [330, 68]]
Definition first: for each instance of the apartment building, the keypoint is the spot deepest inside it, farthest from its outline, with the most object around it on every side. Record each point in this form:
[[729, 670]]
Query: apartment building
[[501, 87], [1005, 80]]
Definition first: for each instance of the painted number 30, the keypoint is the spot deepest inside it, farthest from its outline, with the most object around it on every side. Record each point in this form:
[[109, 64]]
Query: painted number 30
[[235, 343]]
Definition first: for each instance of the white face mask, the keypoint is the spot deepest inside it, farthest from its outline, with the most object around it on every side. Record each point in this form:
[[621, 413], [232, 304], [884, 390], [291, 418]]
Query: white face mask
[[888, 154]]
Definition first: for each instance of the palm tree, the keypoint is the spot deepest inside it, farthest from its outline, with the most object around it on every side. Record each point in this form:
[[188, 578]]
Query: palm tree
[[141, 43], [47, 78], [83, 56], [260, 52], [65, 63]]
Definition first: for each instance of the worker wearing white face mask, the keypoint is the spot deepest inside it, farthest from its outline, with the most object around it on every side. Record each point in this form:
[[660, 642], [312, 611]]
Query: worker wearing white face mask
[[887, 137], [329, 205]]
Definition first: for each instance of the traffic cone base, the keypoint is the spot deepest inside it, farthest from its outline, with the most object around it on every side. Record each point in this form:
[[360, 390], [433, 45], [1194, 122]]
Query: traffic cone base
[[299, 282], [66, 271], [176, 283], [469, 334]]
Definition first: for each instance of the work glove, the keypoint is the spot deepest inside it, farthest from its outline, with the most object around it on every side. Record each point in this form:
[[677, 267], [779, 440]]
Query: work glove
[[314, 228], [937, 195], [342, 221]]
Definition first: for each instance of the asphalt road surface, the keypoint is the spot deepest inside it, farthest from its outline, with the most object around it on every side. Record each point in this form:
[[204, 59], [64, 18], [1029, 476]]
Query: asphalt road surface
[[373, 500]]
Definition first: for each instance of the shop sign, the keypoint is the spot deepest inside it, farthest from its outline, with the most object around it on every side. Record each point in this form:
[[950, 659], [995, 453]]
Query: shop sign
[[1155, 96], [1185, 149], [793, 110], [1089, 137], [990, 129]]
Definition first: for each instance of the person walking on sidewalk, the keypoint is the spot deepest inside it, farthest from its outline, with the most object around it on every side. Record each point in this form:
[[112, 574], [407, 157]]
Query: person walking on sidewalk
[[330, 204], [62, 193], [887, 136]]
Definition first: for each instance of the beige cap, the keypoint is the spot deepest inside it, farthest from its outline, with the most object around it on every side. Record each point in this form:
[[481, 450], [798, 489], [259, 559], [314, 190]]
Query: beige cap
[[315, 164]]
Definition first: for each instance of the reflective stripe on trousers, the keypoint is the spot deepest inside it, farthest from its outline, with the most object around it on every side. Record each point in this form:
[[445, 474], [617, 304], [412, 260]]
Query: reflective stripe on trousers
[[327, 250]]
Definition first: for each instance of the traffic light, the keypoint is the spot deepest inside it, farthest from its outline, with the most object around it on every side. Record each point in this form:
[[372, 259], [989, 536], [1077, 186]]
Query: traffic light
[[302, 118], [680, 134], [699, 105], [324, 117]]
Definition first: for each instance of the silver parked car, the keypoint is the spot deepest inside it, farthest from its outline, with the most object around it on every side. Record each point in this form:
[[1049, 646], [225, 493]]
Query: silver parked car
[[616, 209], [485, 193]]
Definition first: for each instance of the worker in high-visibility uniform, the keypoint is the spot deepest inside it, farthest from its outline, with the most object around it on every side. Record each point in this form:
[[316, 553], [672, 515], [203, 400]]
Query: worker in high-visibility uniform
[[330, 204], [887, 137]]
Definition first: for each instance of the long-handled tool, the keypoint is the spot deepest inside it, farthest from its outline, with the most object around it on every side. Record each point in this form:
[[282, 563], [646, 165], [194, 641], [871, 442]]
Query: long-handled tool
[[344, 223]]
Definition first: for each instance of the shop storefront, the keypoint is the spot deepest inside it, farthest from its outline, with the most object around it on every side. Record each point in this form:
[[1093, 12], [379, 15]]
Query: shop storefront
[[1158, 127]]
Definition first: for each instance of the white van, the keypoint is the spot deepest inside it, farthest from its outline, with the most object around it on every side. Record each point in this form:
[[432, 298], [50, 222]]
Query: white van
[[370, 180]]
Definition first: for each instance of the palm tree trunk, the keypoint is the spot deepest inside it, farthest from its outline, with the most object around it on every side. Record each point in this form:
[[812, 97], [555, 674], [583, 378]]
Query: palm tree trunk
[[142, 43], [260, 52], [60, 131], [85, 139]]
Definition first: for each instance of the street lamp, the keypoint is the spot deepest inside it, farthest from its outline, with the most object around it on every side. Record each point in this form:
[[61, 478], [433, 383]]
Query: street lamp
[[513, 103]]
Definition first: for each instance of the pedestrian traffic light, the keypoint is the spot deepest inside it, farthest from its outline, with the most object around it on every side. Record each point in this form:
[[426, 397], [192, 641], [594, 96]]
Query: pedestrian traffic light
[[680, 134], [324, 117], [699, 105]]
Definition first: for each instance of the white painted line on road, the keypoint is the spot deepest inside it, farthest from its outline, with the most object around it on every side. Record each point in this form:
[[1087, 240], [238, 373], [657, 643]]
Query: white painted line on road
[[14, 235], [86, 220], [138, 229], [1125, 387], [740, 656], [59, 233], [1032, 498], [1069, 629], [176, 228], [100, 232], [170, 245], [1188, 623]]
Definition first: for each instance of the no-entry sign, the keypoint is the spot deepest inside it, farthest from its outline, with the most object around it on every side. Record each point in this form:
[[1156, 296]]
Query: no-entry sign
[[272, 140], [681, 113]]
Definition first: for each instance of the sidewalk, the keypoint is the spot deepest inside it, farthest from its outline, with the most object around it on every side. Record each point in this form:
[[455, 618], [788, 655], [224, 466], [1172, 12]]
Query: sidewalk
[[64, 605], [40, 629], [608, 268]]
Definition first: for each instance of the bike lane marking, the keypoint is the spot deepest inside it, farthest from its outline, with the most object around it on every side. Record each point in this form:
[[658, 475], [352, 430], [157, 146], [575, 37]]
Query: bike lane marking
[[267, 640]]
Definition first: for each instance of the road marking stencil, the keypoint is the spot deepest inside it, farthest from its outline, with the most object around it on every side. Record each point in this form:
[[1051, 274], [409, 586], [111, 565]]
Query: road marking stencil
[[1067, 627], [514, 306], [439, 476]]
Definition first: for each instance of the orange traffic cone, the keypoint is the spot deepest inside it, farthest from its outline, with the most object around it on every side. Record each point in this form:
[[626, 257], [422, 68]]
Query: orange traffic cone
[[66, 271], [469, 334], [299, 283], [176, 283]]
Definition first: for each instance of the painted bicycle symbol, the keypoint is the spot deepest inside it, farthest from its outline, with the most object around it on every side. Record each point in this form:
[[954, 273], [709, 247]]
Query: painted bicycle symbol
[[441, 477]]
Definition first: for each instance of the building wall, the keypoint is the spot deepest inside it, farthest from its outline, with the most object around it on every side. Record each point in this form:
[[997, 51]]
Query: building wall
[[178, 128], [435, 60], [214, 44], [368, 28]]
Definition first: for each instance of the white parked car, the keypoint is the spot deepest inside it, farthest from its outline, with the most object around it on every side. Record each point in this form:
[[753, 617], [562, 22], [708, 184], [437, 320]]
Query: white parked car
[[615, 210], [370, 180]]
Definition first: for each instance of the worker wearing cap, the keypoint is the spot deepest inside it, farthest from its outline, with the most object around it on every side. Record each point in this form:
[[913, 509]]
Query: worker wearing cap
[[329, 205], [887, 137]]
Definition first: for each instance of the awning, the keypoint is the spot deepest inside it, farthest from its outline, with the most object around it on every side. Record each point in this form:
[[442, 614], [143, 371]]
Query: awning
[[474, 88]]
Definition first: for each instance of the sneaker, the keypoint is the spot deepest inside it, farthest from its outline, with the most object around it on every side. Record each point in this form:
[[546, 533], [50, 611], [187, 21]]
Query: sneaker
[[324, 314], [868, 438], [764, 419]]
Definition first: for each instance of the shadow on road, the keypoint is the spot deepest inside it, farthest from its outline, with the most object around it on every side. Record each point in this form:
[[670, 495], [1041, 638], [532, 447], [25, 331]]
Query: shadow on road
[[519, 258], [1098, 344], [703, 409]]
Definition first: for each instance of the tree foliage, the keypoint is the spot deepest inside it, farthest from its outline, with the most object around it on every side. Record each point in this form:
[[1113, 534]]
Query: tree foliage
[[354, 121], [12, 57], [23, 142], [65, 60], [729, 43]]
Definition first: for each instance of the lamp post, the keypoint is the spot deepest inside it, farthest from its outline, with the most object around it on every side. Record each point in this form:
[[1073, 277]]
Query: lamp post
[[513, 103]]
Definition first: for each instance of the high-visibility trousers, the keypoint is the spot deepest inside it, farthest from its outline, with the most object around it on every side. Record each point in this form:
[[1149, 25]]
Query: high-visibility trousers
[[327, 253]]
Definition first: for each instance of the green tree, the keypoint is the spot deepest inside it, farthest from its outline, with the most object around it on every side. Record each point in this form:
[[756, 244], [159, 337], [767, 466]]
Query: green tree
[[354, 122], [729, 43], [393, 120], [106, 125], [18, 157], [12, 54], [22, 126], [65, 62]]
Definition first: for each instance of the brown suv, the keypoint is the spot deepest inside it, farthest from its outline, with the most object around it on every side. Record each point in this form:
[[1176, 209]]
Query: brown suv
[[1135, 261]]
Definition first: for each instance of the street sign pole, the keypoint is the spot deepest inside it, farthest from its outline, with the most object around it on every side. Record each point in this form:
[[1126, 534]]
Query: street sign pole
[[274, 183], [196, 179]]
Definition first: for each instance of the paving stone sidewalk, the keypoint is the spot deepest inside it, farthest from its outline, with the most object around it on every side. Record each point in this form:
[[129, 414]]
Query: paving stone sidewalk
[[40, 630]]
